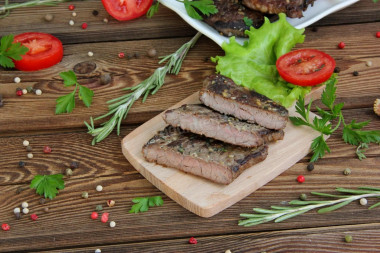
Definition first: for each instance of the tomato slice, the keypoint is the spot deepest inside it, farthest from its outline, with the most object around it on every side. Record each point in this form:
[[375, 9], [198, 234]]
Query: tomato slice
[[45, 50], [126, 9], [305, 67]]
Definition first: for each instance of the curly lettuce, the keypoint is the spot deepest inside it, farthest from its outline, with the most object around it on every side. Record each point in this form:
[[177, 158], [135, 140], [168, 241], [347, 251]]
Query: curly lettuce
[[253, 64]]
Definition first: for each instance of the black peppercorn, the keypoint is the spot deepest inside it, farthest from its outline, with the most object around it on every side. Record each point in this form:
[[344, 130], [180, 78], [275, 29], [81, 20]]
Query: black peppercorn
[[42, 201], [74, 165], [21, 164], [355, 73], [95, 13], [310, 166], [18, 88], [206, 59], [29, 148], [336, 70], [129, 56], [105, 79], [137, 55]]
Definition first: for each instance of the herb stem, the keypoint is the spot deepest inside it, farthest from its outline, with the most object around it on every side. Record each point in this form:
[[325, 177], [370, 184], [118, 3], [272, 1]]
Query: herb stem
[[4, 10]]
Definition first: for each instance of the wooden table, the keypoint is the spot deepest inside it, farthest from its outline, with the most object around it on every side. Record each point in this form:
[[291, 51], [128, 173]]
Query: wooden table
[[68, 227]]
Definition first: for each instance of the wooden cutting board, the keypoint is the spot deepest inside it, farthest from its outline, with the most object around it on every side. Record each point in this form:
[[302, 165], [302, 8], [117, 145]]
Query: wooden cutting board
[[204, 197]]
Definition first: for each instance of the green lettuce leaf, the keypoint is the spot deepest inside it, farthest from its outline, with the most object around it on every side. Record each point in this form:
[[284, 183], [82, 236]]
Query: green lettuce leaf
[[253, 64]]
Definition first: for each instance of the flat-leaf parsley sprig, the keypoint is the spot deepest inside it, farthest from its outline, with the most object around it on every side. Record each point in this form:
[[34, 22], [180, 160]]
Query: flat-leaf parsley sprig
[[142, 204], [66, 103], [352, 133], [297, 207], [119, 107], [48, 185], [10, 50]]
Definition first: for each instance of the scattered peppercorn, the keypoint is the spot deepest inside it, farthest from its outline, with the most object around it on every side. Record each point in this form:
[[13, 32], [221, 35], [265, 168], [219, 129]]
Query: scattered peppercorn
[[74, 14], [30, 155], [136, 55], [29, 148], [71, 7], [341, 45], [355, 73], [152, 52], [16, 210], [310, 167], [378, 35], [303, 196], [19, 93], [99, 188], [21, 164], [105, 79], [347, 172], [99, 208], [98, 251], [121, 55], [38, 92], [85, 195], [29, 89], [363, 201], [348, 238], [5, 227], [192, 240], [46, 209], [368, 63], [24, 91], [34, 217], [49, 17], [129, 56], [19, 190], [71, 22], [300, 179], [84, 26], [18, 88], [376, 106], [24, 204], [104, 217], [17, 79], [91, 54], [47, 149], [25, 210], [18, 216], [95, 13], [206, 59], [25, 143], [105, 20], [69, 172], [110, 203], [94, 215], [42, 201], [314, 29], [112, 224], [74, 165]]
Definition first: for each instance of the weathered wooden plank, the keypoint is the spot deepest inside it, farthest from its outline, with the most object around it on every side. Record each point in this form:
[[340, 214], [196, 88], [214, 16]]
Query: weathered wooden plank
[[358, 91], [326, 239]]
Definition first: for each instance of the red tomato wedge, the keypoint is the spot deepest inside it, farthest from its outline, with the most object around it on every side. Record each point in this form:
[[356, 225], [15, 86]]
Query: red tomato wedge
[[305, 67], [126, 9], [45, 50]]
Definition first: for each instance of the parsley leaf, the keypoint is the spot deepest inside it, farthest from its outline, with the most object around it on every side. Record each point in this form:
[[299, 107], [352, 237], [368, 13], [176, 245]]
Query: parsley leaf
[[360, 151], [152, 10], [142, 204], [48, 185], [319, 147], [10, 50], [248, 21], [66, 103], [354, 136], [197, 7]]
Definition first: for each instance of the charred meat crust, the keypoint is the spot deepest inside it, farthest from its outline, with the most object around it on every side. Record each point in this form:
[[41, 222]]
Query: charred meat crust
[[201, 156], [202, 120], [242, 103], [292, 8], [229, 20]]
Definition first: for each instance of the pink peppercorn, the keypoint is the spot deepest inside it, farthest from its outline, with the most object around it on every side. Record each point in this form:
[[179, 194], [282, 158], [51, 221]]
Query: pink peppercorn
[[84, 25], [300, 179], [94, 215], [341, 45], [5, 227], [34, 217], [47, 149], [19, 93], [192, 240], [378, 35], [71, 7], [104, 217], [121, 55]]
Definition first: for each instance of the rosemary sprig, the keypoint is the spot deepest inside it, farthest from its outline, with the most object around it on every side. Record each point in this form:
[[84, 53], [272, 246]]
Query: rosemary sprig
[[119, 107], [281, 213], [5, 9]]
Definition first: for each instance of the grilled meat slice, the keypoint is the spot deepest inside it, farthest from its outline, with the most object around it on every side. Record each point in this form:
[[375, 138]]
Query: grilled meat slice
[[201, 156], [292, 8], [223, 95], [201, 120], [229, 20]]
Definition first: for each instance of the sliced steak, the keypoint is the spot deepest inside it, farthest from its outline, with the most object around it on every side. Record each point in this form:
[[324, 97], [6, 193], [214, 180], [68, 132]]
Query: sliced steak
[[201, 156], [229, 20], [202, 120], [223, 95], [292, 8]]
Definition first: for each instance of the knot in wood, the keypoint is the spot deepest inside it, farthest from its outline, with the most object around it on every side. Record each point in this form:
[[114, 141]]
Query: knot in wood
[[85, 67]]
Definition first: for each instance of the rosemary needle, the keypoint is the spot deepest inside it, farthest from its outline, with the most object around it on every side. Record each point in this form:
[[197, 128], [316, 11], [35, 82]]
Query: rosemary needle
[[4, 10], [119, 107]]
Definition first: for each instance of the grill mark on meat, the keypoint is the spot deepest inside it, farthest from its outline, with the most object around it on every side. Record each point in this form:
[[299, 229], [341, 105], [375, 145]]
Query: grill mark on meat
[[201, 156], [229, 20], [204, 121], [292, 8], [223, 95]]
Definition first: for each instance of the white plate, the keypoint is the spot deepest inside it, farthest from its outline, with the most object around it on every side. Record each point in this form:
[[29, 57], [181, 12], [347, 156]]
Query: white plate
[[320, 9]]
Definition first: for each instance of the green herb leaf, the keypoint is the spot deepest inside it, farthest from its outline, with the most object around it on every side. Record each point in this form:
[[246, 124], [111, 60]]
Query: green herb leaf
[[48, 185], [353, 136], [290, 215], [65, 103], [360, 151], [69, 78], [86, 95], [194, 8], [142, 204], [248, 21], [334, 207], [152, 10], [10, 50], [319, 147]]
